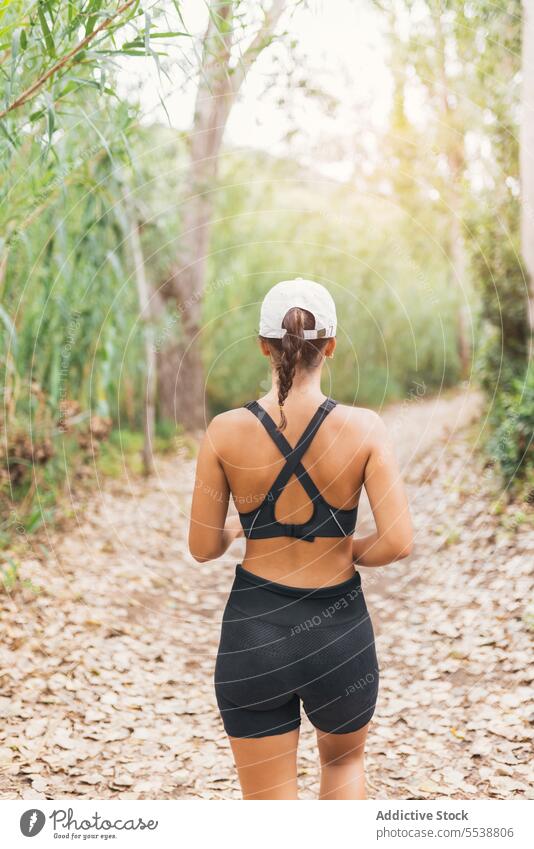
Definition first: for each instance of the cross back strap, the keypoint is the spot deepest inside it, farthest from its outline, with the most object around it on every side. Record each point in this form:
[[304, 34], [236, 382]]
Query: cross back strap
[[293, 465]]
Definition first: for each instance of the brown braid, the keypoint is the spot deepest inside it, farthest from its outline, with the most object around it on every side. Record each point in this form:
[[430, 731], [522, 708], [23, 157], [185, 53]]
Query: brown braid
[[292, 351]]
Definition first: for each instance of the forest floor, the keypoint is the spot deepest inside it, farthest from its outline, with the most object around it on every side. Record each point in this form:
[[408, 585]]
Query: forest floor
[[106, 673]]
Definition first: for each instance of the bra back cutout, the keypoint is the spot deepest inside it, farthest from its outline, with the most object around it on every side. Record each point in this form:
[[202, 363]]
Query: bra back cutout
[[325, 521]]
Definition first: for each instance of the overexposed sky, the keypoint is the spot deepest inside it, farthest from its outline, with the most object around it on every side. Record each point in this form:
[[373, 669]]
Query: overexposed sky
[[341, 49]]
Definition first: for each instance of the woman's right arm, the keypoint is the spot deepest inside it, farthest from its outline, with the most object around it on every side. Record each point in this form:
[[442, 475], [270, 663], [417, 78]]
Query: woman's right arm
[[393, 538], [211, 531]]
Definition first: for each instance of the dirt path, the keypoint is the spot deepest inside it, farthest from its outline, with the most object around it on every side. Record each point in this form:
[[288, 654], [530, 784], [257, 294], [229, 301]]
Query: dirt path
[[106, 674]]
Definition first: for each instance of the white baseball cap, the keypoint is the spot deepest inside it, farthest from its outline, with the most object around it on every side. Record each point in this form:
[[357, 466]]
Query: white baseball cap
[[306, 294]]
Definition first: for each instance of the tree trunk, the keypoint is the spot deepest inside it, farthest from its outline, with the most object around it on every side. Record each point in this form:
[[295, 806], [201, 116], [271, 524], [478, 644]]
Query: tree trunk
[[458, 253], [149, 394], [459, 264], [9, 370], [455, 153], [180, 367], [527, 153], [459, 269]]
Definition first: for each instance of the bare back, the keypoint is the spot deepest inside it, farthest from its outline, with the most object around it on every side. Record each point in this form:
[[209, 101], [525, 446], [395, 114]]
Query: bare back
[[352, 448], [335, 461]]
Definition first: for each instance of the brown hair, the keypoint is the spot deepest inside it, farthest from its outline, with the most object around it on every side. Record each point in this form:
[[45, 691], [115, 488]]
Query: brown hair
[[292, 351]]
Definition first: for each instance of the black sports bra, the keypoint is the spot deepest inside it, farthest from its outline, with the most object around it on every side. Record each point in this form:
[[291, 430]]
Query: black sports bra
[[325, 521]]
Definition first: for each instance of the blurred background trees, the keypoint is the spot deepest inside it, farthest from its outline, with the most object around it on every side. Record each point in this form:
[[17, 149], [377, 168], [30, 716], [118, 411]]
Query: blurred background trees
[[223, 68], [136, 243]]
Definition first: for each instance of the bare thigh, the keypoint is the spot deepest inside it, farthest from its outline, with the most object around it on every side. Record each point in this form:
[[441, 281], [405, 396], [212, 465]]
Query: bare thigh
[[267, 766], [342, 764]]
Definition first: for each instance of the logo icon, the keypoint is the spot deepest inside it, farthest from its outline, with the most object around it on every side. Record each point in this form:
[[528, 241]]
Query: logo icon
[[32, 822]]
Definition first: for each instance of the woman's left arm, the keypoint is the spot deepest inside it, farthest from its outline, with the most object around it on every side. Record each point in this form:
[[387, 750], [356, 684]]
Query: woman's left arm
[[209, 536]]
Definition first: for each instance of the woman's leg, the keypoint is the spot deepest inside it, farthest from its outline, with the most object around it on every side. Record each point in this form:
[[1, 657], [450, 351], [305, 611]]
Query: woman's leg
[[342, 764], [267, 766]]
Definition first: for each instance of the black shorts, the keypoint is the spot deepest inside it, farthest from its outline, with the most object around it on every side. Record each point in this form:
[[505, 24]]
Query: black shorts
[[281, 645]]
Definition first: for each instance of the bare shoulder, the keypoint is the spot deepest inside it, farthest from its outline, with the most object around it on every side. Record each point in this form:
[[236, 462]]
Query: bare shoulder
[[366, 424], [230, 418], [225, 428]]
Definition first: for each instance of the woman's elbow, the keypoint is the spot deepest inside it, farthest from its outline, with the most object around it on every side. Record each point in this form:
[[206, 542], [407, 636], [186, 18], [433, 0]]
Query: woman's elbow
[[200, 558], [403, 548], [202, 551], [202, 554]]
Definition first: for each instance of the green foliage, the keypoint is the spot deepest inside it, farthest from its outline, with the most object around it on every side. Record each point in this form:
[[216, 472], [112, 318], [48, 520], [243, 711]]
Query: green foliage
[[502, 315], [121, 453], [463, 61], [70, 335], [396, 312], [67, 298], [69, 330], [275, 219], [512, 441], [493, 219], [65, 289], [10, 579]]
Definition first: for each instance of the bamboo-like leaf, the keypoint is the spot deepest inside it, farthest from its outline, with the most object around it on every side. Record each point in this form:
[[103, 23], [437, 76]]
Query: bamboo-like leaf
[[93, 10], [170, 34], [127, 52], [35, 116], [8, 135], [51, 122], [137, 42], [49, 41], [76, 83]]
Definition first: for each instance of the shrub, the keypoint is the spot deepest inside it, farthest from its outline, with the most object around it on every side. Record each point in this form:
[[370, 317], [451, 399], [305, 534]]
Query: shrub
[[512, 441]]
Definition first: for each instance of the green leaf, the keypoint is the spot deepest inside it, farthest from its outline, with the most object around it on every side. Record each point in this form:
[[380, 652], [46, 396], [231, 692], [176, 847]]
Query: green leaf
[[34, 116], [126, 52], [169, 34], [76, 83], [49, 41], [137, 42], [93, 10], [51, 122], [10, 138]]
